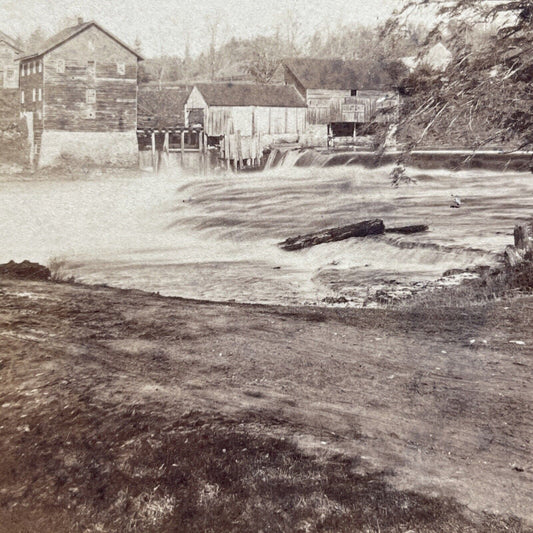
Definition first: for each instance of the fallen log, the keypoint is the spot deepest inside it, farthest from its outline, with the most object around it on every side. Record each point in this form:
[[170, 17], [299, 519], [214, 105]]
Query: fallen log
[[361, 229], [407, 230]]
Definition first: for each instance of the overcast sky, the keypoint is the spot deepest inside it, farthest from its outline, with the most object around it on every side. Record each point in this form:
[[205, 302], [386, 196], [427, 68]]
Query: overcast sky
[[163, 25]]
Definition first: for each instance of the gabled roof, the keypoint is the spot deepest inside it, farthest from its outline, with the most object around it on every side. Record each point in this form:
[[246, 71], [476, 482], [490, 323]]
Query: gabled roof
[[161, 107], [337, 74], [10, 41], [250, 94], [68, 33]]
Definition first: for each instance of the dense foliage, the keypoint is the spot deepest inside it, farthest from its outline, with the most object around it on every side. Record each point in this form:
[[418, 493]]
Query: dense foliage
[[484, 97]]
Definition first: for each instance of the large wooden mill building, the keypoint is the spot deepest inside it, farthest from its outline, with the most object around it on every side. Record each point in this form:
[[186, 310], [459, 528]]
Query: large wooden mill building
[[79, 91]]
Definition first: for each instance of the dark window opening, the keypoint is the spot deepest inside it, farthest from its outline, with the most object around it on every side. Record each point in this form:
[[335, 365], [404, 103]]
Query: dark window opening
[[342, 129]]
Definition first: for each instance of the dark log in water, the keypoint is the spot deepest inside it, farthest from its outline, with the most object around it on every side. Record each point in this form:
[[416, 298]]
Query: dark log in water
[[361, 229], [406, 230]]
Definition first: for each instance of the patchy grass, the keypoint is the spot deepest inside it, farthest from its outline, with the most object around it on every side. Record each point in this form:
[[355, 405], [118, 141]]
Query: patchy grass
[[97, 431], [201, 472], [493, 284]]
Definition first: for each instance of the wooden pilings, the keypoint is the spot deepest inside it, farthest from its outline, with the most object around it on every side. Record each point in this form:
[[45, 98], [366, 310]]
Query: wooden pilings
[[241, 152], [235, 151]]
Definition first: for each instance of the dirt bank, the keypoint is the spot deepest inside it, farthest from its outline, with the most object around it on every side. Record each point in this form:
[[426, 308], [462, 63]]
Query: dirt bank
[[123, 411]]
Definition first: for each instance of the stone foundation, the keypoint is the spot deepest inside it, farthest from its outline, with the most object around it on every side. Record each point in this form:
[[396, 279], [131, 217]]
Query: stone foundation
[[108, 149]]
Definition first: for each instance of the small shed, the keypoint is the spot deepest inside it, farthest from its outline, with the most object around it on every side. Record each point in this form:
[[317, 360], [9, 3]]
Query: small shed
[[249, 108]]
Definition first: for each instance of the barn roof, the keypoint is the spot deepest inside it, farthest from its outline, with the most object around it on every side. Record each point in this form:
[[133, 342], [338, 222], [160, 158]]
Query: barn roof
[[161, 107], [335, 74], [10, 41], [68, 33], [250, 94]]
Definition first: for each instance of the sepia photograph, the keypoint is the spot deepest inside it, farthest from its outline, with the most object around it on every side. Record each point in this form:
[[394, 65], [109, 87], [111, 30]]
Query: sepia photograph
[[266, 267]]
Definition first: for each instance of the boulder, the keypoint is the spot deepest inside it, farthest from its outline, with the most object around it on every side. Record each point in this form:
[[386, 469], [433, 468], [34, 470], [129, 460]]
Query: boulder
[[24, 270]]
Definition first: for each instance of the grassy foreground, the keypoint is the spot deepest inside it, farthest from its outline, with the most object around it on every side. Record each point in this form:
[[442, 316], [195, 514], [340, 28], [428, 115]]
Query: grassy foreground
[[123, 411]]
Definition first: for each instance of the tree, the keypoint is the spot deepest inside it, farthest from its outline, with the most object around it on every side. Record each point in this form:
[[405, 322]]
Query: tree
[[484, 96], [34, 41], [267, 53]]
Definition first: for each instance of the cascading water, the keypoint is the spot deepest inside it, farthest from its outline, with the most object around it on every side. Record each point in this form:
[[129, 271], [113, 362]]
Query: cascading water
[[215, 237]]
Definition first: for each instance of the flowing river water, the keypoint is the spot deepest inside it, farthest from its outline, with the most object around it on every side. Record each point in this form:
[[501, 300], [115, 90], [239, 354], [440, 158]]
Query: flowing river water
[[215, 237]]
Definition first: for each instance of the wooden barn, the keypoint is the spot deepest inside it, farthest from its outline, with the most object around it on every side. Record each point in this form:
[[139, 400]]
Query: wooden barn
[[9, 54], [342, 96], [79, 90], [270, 111]]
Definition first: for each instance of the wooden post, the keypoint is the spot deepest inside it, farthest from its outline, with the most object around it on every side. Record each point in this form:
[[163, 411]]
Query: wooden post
[[227, 147], [239, 148], [182, 147], [206, 153], [154, 162]]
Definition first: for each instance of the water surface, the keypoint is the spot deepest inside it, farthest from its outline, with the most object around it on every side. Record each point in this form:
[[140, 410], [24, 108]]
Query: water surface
[[215, 237]]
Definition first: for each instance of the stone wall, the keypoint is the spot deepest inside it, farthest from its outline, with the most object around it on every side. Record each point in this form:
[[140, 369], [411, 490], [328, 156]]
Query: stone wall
[[107, 149]]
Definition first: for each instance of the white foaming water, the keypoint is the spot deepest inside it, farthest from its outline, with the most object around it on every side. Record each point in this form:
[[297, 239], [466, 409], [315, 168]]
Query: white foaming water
[[216, 237]]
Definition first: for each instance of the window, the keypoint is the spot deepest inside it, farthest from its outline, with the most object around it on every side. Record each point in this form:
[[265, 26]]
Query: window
[[90, 96], [10, 74], [21, 97], [91, 68], [121, 69], [60, 66], [40, 94], [34, 95]]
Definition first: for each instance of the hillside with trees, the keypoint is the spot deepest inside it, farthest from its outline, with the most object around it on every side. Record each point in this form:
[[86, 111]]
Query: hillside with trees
[[484, 96]]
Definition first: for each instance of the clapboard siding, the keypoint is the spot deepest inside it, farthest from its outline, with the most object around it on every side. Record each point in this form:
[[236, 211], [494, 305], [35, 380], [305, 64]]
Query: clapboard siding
[[253, 120], [328, 106], [93, 61]]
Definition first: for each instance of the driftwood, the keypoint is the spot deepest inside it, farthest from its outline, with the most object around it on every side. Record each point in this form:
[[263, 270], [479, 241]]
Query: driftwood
[[406, 230], [361, 229]]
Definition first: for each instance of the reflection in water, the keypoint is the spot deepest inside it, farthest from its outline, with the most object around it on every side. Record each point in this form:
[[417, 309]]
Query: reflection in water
[[215, 237]]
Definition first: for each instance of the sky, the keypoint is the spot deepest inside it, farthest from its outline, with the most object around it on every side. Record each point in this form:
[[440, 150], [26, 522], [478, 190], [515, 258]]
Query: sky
[[165, 26]]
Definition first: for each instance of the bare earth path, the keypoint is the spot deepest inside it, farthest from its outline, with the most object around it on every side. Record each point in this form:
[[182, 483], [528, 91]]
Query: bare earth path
[[96, 380]]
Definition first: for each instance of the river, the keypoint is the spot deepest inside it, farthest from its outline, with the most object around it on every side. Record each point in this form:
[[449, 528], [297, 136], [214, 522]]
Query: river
[[215, 237]]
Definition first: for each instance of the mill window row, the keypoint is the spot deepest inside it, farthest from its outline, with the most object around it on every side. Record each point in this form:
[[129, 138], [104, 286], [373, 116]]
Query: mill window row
[[37, 66]]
